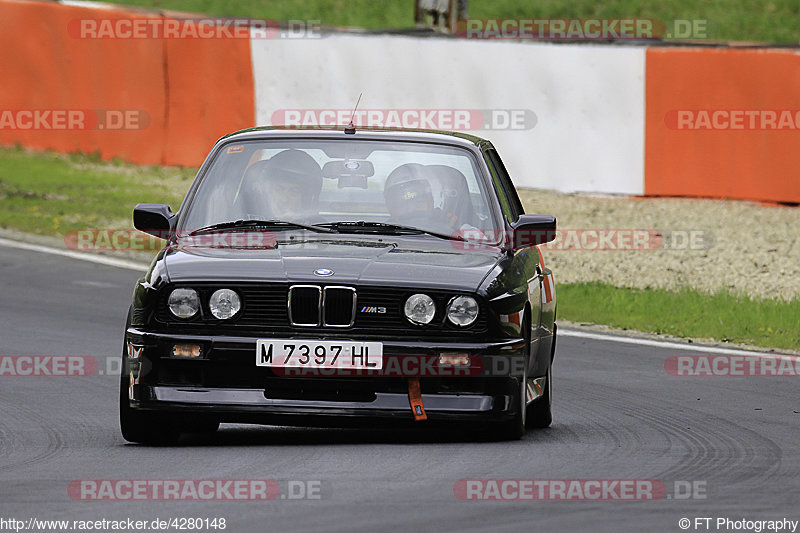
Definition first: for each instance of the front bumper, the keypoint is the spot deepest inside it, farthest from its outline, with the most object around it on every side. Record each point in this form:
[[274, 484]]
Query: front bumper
[[227, 385], [251, 405]]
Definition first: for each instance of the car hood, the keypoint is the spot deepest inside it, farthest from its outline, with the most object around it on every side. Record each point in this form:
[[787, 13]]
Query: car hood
[[388, 260]]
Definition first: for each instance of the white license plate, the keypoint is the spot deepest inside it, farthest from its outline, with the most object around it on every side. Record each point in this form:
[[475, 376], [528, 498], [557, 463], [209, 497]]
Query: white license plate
[[297, 353]]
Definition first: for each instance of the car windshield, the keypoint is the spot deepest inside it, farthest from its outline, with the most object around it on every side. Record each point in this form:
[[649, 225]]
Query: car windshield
[[345, 186]]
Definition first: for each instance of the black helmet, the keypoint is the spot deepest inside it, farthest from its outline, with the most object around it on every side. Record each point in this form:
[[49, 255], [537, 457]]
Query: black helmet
[[407, 189], [455, 197], [290, 167], [298, 167]]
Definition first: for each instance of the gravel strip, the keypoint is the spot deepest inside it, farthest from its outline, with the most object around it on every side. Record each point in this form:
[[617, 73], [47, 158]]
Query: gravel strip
[[709, 245]]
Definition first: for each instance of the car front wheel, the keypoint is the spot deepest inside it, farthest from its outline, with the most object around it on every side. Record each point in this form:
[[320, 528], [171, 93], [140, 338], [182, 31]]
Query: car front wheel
[[142, 426], [514, 429], [540, 412]]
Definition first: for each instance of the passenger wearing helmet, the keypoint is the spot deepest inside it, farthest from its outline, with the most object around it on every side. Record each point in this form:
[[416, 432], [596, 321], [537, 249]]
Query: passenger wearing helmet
[[455, 204], [409, 198], [284, 187]]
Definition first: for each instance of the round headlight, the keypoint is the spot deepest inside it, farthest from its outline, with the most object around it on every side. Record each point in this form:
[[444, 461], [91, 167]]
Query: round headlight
[[184, 303], [420, 308], [224, 303], [462, 310]]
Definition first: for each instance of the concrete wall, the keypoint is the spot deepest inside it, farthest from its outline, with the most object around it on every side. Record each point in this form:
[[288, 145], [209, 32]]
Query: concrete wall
[[588, 100]]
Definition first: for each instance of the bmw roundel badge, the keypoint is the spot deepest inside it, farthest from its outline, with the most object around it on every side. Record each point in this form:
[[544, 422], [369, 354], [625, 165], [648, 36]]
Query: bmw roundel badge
[[323, 272]]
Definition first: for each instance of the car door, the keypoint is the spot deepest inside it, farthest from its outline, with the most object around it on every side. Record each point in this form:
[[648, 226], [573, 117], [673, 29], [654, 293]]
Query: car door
[[525, 261]]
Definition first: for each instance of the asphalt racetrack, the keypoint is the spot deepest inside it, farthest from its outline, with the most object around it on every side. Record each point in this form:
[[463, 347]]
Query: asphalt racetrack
[[721, 447]]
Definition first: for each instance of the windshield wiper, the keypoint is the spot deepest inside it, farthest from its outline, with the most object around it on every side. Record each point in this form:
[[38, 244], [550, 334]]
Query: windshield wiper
[[389, 228], [282, 224]]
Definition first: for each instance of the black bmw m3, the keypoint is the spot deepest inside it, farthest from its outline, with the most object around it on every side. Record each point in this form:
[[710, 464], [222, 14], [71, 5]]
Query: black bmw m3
[[325, 277]]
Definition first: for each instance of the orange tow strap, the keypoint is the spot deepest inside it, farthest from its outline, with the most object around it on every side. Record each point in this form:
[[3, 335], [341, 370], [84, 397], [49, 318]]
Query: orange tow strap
[[415, 399]]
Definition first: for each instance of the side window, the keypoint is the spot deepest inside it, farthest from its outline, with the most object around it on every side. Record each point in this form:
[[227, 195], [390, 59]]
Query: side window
[[509, 200]]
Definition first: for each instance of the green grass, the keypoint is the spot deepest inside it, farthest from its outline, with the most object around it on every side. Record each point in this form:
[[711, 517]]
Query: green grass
[[722, 316], [50, 194], [772, 21]]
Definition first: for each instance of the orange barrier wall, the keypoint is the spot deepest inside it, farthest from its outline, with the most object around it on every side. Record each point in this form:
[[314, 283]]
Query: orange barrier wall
[[698, 159], [211, 93], [191, 90]]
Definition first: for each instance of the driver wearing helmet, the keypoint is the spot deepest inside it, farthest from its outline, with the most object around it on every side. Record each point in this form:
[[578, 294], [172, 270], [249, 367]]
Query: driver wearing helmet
[[283, 187], [409, 197]]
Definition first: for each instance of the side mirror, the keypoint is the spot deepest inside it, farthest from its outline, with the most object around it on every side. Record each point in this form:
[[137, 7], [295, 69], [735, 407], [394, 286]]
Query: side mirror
[[532, 230], [155, 219]]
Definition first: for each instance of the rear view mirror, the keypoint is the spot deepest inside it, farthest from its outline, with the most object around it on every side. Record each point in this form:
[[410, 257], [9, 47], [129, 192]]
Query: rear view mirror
[[154, 219], [349, 173], [532, 230]]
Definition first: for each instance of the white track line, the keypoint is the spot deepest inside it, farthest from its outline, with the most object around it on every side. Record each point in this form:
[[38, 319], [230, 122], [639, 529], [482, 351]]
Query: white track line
[[669, 344], [140, 267], [99, 259]]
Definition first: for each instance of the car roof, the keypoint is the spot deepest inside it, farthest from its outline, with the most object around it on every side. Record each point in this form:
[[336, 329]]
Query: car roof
[[387, 134]]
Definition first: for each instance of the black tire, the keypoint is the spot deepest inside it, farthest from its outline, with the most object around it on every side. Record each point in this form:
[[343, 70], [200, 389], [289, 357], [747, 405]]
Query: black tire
[[144, 427], [540, 412], [141, 426], [514, 429]]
